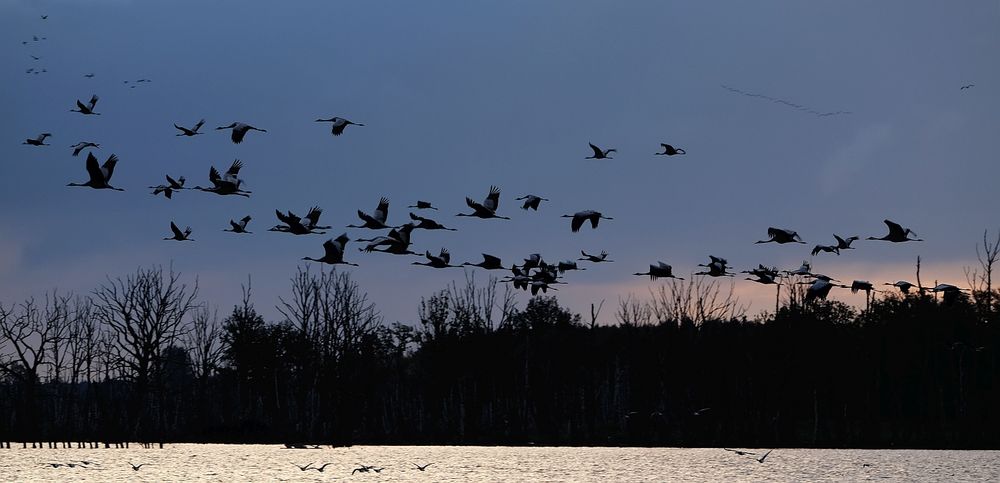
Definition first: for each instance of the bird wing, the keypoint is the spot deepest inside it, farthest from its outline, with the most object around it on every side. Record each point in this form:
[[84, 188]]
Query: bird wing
[[417, 217], [81, 105], [773, 232], [474, 204], [314, 214], [183, 129], [597, 151], [492, 201], [173, 183], [577, 222], [490, 260], [234, 169], [236, 226], [816, 249], [93, 169], [595, 218], [213, 176], [93, 101], [333, 252], [177, 231], [382, 211], [238, 133], [109, 167], [895, 228], [368, 218], [840, 241], [198, 125], [445, 256]]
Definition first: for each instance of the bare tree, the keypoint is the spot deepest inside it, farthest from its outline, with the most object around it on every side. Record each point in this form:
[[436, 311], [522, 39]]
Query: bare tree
[[144, 314], [633, 312], [981, 279], [204, 342], [329, 309], [83, 342], [696, 300], [31, 337]]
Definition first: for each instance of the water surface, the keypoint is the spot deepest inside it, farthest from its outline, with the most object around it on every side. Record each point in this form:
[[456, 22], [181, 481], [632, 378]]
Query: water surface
[[268, 463]]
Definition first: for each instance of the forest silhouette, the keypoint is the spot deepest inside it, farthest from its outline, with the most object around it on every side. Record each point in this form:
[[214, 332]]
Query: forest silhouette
[[141, 358]]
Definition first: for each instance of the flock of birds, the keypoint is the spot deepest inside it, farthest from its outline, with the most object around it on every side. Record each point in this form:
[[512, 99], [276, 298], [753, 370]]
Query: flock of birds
[[534, 274]]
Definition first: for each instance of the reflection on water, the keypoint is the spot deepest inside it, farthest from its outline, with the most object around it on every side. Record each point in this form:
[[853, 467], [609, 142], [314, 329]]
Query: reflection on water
[[226, 463]]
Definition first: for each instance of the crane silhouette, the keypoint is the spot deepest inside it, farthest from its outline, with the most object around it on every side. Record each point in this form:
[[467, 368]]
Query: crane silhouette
[[192, 131], [334, 251], [486, 209], [601, 153], [579, 217], [100, 175], [897, 234], [87, 108], [339, 124], [240, 130], [39, 140]]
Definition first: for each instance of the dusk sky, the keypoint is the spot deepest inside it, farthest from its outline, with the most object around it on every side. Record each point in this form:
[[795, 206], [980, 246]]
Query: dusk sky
[[459, 96]]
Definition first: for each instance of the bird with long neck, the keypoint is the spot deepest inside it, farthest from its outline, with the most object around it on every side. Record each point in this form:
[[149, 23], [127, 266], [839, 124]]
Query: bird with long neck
[[100, 175], [897, 234], [339, 124]]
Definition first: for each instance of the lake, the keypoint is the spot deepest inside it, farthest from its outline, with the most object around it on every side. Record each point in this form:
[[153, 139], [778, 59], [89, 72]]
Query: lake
[[268, 463]]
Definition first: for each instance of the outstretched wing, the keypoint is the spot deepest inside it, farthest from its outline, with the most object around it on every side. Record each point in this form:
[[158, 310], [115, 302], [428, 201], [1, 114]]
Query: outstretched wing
[[382, 211], [93, 101], [894, 228], [314, 214], [595, 218], [417, 218], [198, 125], [109, 167], [577, 223], [234, 169], [492, 201], [177, 231], [597, 151], [490, 260], [94, 170]]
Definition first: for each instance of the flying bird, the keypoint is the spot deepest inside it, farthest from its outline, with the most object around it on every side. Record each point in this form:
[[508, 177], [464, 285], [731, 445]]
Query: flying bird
[[35, 58], [239, 130], [603, 257], [397, 242], [825, 248], [967, 86], [80, 146], [819, 289], [339, 124], [321, 468], [902, 285], [428, 224], [334, 251], [601, 154], [567, 265], [781, 236], [861, 285], [531, 201], [581, 216], [178, 234], [297, 225], [422, 205], [669, 150], [422, 468], [739, 452], [844, 243], [87, 108], [303, 468], [489, 262], [375, 221], [169, 188], [804, 270], [442, 260], [39, 140], [193, 131], [89, 76], [228, 184], [486, 209], [660, 270], [240, 226], [136, 467], [764, 456], [897, 233], [100, 176]]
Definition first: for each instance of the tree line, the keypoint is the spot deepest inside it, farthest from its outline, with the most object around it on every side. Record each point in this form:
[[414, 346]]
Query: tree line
[[142, 358]]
